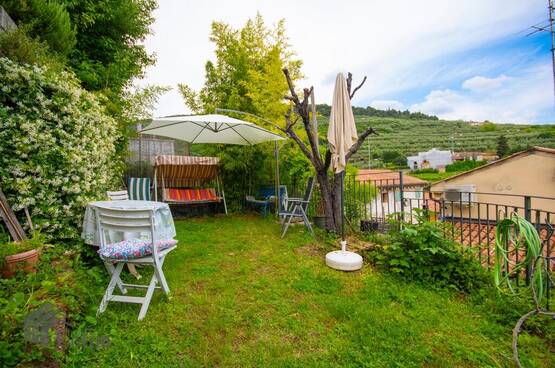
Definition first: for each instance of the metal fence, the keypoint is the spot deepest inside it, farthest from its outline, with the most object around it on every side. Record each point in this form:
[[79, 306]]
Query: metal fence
[[468, 217]]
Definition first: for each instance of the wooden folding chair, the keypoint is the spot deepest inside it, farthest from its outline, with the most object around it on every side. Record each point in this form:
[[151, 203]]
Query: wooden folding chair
[[131, 220]]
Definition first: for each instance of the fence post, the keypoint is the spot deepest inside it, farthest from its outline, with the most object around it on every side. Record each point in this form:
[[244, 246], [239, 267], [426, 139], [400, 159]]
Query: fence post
[[425, 209], [401, 195], [528, 217]]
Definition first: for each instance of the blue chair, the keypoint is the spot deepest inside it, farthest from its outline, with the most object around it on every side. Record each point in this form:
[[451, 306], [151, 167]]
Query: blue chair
[[267, 197]]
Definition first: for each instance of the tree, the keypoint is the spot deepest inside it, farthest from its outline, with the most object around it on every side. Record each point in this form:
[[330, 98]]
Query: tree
[[109, 51], [330, 190], [394, 157], [46, 20], [246, 76], [502, 146], [99, 40]]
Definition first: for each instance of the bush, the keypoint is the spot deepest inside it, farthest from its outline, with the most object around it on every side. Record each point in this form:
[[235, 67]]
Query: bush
[[488, 127], [427, 170], [421, 253], [63, 281], [56, 146], [19, 47], [464, 165]]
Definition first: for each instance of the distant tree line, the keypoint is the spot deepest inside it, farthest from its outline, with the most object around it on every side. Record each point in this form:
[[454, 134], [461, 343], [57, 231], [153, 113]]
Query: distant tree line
[[324, 109]]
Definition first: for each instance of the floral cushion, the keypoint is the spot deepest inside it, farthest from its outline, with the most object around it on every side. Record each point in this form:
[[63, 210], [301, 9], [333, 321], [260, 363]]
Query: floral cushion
[[133, 248]]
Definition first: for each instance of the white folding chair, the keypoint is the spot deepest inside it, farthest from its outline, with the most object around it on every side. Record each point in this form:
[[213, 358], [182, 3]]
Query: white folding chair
[[119, 195], [130, 220], [122, 195]]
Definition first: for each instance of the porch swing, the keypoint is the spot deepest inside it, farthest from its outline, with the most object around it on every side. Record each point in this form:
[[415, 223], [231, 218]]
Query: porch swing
[[188, 182]]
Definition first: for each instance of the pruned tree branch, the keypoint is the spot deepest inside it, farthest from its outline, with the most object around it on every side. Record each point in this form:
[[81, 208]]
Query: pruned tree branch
[[360, 141], [294, 97], [357, 88], [291, 133], [350, 84]]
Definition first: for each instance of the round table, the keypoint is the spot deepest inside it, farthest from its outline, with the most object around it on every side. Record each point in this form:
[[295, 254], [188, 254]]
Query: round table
[[164, 227]]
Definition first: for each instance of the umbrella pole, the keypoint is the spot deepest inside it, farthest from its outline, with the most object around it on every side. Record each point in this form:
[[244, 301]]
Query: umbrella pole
[[342, 259], [343, 241], [278, 203]]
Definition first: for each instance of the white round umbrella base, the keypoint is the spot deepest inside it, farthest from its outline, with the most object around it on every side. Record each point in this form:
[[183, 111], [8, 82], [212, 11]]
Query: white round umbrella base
[[344, 261]]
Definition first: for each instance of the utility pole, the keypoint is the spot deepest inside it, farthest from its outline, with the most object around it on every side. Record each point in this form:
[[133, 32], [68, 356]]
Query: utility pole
[[543, 27], [552, 41]]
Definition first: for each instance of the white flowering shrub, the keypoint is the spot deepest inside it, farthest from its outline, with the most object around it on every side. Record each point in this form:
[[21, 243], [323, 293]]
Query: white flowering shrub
[[57, 149]]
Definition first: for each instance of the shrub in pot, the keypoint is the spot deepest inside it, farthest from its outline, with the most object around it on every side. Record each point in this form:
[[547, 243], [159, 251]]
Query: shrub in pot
[[20, 256]]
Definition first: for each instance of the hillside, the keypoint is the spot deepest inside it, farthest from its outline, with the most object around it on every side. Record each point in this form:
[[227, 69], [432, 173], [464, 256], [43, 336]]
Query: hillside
[[409, 136]]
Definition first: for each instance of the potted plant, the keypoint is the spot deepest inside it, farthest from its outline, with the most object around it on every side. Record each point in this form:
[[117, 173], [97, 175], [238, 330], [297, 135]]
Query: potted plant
[[20, 256], [319, 219]]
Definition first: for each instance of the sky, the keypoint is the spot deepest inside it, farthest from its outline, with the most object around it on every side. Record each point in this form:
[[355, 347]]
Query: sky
[[467, 60]]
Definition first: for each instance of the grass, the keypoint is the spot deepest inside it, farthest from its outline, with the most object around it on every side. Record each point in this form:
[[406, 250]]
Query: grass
[[433, 177], [243, 297]]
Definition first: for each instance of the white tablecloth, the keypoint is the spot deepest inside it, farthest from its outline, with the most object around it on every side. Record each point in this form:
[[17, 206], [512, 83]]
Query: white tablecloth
[[163, 221]]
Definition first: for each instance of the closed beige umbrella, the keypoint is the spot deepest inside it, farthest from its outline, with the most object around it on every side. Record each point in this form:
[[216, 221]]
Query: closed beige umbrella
[[342, 135], [342, 132]]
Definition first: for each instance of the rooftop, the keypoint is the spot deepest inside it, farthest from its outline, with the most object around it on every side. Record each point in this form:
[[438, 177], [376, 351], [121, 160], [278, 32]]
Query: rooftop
[[384, 177]]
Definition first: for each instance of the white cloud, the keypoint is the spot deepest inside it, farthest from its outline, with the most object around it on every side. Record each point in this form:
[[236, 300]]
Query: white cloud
[[396, 43], [387, 104], [518, 99], [439, 102], [479, 83]]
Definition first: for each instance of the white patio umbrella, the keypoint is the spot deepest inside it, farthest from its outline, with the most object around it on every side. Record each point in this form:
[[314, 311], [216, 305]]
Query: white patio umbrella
[[342, 135], [212, 128]]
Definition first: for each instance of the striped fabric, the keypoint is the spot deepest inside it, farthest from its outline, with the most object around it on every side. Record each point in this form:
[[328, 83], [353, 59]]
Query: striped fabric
[[190, 195], [139, 189], [183, 171]]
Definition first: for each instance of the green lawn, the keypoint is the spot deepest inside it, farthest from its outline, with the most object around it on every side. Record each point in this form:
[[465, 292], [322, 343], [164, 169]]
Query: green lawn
[[244, 297]]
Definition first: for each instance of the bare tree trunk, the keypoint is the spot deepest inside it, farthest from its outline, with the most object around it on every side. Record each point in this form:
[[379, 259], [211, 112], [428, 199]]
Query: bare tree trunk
[[330, 189]]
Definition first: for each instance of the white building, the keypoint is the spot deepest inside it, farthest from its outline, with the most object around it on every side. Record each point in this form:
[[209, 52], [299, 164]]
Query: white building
[[388, 192], [434, 159]]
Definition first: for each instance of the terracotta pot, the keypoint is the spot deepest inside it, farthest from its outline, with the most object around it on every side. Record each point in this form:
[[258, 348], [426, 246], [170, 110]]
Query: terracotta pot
[[25, 261]]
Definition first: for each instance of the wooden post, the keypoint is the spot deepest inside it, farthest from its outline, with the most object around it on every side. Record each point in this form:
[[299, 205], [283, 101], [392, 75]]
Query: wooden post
[[314, 119], [13, 225]]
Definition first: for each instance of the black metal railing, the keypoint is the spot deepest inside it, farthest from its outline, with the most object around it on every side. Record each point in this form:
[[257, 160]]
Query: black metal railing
[[466, 216]]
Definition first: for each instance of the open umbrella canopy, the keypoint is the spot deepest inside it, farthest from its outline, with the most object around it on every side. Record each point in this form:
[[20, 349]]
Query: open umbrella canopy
[[342, 132], [212, 128]]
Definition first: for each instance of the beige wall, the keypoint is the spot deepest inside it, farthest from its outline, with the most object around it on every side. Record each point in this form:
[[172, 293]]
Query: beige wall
[[532, 174]]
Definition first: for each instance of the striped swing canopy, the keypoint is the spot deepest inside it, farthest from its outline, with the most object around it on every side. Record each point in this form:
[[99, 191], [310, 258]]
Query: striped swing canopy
[[188, 179], [185, 171]]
